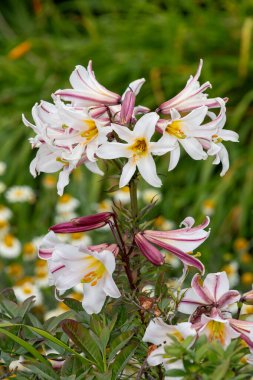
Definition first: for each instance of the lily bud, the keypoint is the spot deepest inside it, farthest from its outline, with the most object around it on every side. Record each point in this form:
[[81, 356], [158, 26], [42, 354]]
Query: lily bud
[[84, 223], [127, 108], [148, 250], [248, 297]]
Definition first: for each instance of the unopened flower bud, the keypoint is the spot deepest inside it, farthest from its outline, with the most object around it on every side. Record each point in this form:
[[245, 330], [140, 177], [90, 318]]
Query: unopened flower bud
[[127, 108]]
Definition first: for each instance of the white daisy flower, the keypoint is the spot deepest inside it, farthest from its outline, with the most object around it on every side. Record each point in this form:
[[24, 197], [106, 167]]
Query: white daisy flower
[[25, 289], [66, 203], [19, 194], [5, 213], [10, 247]]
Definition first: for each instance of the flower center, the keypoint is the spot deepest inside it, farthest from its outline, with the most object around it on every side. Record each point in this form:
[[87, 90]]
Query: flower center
[[65, 198], [96, 273], [91, 132], [178, 336], [217, 331], [175, 129], [139, 147], [27, 289], [9, 240]]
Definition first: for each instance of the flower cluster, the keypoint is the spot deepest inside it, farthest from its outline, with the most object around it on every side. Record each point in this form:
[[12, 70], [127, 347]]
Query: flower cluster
[[88, 122], [209, 304]]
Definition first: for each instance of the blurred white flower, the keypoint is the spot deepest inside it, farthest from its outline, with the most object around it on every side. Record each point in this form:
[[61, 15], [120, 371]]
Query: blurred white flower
[[123, 195], [25, 289], [10, 247], [20, 194], [63, 216], [4, 228], [149, 195], [2, 187], [66, 203], [104, 206], [5, 213], [3, 167], [232, 272], [16, 365], [29, 251]]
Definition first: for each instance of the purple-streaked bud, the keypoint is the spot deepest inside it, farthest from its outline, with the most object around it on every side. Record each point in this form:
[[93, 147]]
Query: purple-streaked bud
[[82, 224], [148, 250], [247, 297], [127, 108]]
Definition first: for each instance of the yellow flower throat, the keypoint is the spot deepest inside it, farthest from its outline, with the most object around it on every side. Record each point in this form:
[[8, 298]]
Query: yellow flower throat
[[175, 129]]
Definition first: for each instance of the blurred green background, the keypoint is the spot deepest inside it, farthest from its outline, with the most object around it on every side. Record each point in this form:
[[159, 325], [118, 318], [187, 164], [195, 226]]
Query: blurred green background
[[42, 41]]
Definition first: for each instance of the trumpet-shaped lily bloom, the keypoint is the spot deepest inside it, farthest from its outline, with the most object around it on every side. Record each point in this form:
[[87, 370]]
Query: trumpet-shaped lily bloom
[[66, 137], [179, 242], [212, 293], [191, 97], [70, 265], [159, 334], [88, 92], [185, 131], [218, 329], [83, 223], [215, 147], [138, 149]]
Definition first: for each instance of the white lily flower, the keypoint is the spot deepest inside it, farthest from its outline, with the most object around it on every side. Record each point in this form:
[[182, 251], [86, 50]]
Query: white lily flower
[[186, 132], [191, 97], [139, 150], [214, 147], [218, 329], [212, 293], [66, 137], [70, 265], [159, 333]]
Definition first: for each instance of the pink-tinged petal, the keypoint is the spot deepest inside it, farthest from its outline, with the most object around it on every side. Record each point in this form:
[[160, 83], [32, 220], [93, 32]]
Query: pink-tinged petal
[[84, 223], [127, 108], [217, 284], [201, 291], [245, 329], [135, 87], [148, 250], [45, 254], [190, 302], [184, 257], [229, 298], [127, 173], [145, 126], [188, 222]]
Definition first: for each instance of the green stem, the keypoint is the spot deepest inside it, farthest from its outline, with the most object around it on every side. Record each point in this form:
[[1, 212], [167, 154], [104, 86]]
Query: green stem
[[134, 201]]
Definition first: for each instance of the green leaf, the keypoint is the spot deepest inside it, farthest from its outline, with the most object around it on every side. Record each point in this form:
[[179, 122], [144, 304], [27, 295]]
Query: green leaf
[[122, 359], [175, 373], [220, 371], [119, 342], [53, 339], [53, 322], [29, 348], [9, 294], [44, 372], [26, 306], [73, 304], [71, 366], [82, 338]]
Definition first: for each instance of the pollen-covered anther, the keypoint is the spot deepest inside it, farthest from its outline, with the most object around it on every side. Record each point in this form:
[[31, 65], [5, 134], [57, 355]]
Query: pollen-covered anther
[[216, 139], [91, 132], [175, 129]]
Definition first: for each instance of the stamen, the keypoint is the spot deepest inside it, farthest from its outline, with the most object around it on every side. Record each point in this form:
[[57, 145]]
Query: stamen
[[175, 129]]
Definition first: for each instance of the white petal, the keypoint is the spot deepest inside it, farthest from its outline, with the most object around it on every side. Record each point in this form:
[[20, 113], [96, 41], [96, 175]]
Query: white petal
[[123, 132], [113, 150], [157, 332], [93, 298], [193, 148], [135, 86], [93, 167], [174, 157], [110, 288], [195, 117], [217, 284], [63, 180], [156, 357], [127, 173], [145, 126], [147, 170]]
